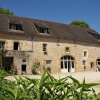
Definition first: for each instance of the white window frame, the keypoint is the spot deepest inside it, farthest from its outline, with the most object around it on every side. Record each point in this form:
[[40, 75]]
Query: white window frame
[[85, 54]]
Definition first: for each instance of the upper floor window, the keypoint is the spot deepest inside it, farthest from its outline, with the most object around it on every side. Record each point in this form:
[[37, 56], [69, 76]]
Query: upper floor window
[[67, 49], [15, 27], [2, 45], [85, 53], [44, 47], [23, 60], [16, 46], [42, 28]]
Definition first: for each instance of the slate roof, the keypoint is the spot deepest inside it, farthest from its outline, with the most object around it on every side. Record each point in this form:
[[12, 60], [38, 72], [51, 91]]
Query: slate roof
[[55, 29]]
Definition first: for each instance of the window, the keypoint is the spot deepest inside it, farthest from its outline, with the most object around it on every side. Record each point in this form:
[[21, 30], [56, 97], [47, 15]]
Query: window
[[83, 62], [23, 67], [67, 62], [48, 63], [15, 27], [42, 28], [23, 60], [16, 46], [67, 49], [2, 45], [44, 47], [85, 53]]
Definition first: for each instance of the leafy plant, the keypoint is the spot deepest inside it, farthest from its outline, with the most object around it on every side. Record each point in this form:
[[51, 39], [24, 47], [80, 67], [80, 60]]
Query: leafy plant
[[46, 88], [47, 68], [36, 68], [5, 11], [1, 55], [13, 69]]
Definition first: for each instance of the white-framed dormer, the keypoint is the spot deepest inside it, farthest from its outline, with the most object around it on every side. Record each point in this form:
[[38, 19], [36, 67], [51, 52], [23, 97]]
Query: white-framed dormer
[[17, 27]]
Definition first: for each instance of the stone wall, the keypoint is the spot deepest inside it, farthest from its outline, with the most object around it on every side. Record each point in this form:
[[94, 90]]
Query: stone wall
[[32, 50], [56, 48], [25, 51]]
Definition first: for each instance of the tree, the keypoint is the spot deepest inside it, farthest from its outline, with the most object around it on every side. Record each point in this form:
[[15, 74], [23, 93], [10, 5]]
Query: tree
[[4, 11], [80, 23]]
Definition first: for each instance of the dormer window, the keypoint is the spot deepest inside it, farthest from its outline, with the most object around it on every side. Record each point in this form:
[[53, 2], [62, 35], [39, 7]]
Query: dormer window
[[42, 28], [15, 27]]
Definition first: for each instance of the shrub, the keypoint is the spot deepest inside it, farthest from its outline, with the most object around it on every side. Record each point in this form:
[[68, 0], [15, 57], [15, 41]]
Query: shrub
[[13, 69], [36, 68], [47, 68], [1, 55]]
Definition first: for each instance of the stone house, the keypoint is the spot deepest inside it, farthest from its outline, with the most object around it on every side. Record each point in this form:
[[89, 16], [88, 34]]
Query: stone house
[[63, 48]]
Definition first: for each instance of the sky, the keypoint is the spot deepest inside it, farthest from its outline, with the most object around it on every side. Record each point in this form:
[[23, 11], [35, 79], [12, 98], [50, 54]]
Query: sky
[[61, 11]]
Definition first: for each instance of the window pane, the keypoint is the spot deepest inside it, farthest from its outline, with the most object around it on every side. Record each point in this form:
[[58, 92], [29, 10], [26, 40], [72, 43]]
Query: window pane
[[2, 45], [61, 65], [68, 57], [65, 57], [48, 63], [69, 66], [45, 31], [72, 58], [83, 62], [65, 65], [44, 47], [16, 45], [23, 67], [67, 49], [61, 58], [72, 64], [15, 26], [85, 53]]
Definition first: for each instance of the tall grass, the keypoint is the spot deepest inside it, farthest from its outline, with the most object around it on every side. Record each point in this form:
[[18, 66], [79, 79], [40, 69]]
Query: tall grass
[[46, 88]]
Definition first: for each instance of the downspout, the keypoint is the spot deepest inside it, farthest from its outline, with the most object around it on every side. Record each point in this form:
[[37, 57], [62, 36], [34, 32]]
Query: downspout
[[58, 41]]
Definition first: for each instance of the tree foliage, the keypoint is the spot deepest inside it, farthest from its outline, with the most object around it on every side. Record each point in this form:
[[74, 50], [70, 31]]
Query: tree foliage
[[80, 23], [5, 11]]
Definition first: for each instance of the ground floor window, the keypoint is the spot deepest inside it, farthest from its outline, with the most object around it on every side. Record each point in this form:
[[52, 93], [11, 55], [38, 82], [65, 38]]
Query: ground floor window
[[98, 61], [67, 63], [6, 63], [92, 66], [48, 63], [98, 64], [23, 68], [83, 62]]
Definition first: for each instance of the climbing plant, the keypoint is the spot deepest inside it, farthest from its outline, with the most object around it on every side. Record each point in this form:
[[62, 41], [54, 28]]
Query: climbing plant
[[1, 55]]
